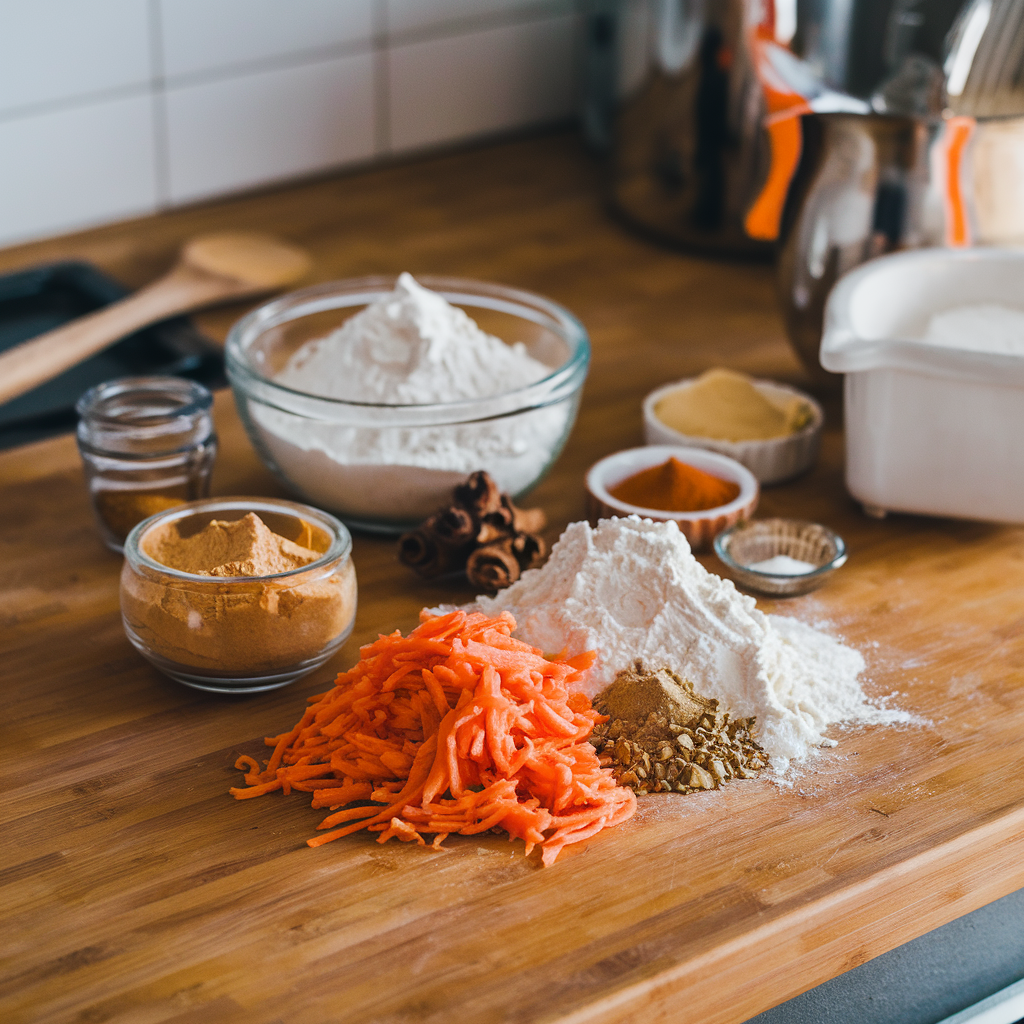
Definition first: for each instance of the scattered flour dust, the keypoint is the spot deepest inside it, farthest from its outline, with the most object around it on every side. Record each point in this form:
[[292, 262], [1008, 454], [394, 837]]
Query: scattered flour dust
[[411, 347], [631, 589]]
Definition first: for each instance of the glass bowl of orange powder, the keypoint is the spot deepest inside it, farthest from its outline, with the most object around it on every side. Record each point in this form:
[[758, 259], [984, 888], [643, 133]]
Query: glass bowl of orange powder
[[701, 491], [238, 595]]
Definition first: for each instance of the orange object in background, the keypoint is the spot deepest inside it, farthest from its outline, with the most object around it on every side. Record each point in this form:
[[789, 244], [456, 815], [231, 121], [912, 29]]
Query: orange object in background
[[675, 487], [959, 132], [764, 218]]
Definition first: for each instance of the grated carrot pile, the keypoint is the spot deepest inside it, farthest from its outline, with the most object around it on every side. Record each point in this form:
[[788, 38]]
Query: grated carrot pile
[[457, 728]]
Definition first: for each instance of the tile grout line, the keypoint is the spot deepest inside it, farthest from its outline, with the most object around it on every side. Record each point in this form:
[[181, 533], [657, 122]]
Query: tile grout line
[[89, 99], [545, 11], [278, 62]]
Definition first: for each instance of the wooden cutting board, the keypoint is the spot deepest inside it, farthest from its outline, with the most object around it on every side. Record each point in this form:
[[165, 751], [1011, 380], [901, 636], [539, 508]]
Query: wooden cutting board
[[134, 889]]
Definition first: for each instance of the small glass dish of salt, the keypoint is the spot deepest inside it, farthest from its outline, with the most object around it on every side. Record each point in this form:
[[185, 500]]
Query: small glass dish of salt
[[781, 557]]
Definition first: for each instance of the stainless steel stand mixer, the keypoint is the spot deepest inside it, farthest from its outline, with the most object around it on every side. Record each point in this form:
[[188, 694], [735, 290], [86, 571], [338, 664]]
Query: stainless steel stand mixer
[[825, 131]]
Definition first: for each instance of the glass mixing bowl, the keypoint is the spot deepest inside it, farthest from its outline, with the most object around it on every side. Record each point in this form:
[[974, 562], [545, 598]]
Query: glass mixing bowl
[[387, 467]]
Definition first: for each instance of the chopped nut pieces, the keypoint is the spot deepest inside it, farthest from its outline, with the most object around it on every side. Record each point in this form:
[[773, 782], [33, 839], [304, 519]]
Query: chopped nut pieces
[[662, 737], [481, 532]]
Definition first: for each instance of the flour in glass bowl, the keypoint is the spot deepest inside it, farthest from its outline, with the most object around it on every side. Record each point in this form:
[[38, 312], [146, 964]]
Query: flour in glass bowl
[[411, 347], [632, 589]]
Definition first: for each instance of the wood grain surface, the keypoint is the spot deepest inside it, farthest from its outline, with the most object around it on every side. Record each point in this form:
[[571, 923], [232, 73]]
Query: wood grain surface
[[134, 889]]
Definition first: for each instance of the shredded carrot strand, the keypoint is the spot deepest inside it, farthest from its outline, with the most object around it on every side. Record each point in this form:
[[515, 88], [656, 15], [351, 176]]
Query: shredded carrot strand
[[456, 728]]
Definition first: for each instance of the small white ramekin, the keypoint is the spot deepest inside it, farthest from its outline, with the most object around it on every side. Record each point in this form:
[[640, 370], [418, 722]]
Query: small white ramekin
[[771, 461], [699, 528]]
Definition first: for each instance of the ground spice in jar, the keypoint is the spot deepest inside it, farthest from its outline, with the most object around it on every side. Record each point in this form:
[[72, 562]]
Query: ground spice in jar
[[121, 510], [663, 737], [231, 614], [675, 486], [147, 444]]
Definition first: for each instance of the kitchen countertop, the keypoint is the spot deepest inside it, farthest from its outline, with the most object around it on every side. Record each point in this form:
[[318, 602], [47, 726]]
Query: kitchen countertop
[[135, 889]]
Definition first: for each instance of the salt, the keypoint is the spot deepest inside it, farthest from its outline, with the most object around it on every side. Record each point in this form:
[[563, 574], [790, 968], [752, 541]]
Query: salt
[[782, 565]]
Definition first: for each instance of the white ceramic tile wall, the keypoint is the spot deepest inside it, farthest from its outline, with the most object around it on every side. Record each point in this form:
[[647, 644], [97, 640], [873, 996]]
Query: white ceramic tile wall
[[112, 108], [481, 82], [77, 166], [70, 50], [238, 132], [213, 35]]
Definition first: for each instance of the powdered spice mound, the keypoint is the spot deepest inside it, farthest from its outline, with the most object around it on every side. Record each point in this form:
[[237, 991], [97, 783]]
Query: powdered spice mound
[[242, 547], [675, 486], [663, 737], [631, 588]]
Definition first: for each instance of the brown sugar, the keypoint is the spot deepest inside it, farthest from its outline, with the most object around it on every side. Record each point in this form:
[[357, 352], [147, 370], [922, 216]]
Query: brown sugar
[[728, 405], [238, 625]]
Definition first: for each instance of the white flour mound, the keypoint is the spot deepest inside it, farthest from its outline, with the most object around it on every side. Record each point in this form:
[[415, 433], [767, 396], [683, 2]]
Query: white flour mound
[[411, 347], [632, 589]]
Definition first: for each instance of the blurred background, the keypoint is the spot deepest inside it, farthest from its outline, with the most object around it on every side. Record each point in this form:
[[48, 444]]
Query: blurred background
[[117, 108], [817, 134]]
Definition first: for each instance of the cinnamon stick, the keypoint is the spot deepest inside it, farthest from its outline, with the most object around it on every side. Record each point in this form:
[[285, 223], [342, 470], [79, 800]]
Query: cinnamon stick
[[508, 518], [529, 550], [454, 527], [482, 531], [528, 520], [421, 550], [479, 494], [416, 549], [494, 566]]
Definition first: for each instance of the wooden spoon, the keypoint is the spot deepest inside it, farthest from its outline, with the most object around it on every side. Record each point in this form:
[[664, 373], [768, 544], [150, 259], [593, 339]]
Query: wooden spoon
[[211, 269]]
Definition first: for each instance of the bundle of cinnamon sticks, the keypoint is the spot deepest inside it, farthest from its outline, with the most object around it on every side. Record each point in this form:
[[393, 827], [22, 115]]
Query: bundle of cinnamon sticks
[[481, 532]]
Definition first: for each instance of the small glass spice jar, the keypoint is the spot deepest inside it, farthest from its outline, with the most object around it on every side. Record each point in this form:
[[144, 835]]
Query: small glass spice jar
[[148, 444]]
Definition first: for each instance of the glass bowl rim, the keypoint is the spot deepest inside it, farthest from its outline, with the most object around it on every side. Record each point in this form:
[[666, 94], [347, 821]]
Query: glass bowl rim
[[340, 546], [274, 313]]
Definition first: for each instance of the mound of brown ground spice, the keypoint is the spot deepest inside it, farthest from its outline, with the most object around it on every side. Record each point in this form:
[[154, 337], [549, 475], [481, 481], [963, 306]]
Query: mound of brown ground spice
[[663, 737], [240, 547]]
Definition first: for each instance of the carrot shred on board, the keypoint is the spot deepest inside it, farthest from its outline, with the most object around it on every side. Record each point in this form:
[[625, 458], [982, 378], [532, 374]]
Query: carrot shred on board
[[456, 728]]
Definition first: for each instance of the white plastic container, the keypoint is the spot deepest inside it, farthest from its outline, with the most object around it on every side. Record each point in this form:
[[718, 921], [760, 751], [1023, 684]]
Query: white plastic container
[[929, 429]]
